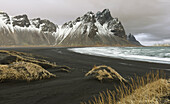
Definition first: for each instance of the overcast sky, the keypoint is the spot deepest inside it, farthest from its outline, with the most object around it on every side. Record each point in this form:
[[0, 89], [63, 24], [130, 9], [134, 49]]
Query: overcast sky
[[148, 20]]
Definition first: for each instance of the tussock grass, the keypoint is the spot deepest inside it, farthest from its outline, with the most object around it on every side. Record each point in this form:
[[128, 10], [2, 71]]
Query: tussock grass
[[21, 56], [153, 88], [105, 72], [23, 66], [27, 57], [23, 71], [149, 94]]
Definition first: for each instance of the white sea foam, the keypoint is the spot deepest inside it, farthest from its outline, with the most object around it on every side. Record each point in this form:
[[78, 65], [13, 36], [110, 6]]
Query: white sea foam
[[148, 54]]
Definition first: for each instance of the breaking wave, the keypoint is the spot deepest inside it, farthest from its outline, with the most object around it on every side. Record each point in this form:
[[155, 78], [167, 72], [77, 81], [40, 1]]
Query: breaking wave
[[149, 54]]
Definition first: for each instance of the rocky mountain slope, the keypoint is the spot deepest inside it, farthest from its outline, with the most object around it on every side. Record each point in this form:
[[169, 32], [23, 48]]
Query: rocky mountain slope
[[19, 30], [89, 30], [131, 38]]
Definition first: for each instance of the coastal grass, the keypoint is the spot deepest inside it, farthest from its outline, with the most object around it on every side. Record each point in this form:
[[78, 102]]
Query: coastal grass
[[23, 71], [27, 57], [153, 88], [24, 66], [105, 72]]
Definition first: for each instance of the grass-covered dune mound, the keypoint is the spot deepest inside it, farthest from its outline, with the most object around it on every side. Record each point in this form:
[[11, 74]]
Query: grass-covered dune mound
[[7, 57], [104, 72], [157, 92], [23, 66], [23, 71], [153, 88]]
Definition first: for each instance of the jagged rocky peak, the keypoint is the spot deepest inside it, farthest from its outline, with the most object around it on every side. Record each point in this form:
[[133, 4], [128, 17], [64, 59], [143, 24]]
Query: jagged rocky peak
[[45, 25], [35, 22], [131, 38], [18, 30], [112, 24], [4, 16], [90, 29], [103, 16], [89, 17], [117, 28], [68, 24], [21, 20], [90, 24], [78, 19]]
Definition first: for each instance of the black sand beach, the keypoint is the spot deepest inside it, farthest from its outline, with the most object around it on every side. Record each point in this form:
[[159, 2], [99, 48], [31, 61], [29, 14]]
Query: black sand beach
[[73, 87]]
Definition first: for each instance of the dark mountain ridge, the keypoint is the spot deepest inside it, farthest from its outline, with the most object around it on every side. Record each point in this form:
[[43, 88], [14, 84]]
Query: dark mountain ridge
[[89, 30]]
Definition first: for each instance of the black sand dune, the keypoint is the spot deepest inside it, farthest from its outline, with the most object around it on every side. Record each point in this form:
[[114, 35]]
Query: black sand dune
[[69, 88]]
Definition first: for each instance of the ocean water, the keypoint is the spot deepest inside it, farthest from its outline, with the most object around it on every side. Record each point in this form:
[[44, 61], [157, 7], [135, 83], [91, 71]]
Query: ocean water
[[148, 54]]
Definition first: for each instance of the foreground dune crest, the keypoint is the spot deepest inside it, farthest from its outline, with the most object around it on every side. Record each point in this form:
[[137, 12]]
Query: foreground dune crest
[[105, 72], [23, 71]]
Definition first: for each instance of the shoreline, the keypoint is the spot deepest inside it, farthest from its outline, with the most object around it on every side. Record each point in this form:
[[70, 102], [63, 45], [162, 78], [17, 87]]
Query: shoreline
[[139, 57], [73, 87]]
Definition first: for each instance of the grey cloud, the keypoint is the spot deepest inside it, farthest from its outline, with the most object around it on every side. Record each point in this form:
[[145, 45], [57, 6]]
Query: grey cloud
[[149, 39]]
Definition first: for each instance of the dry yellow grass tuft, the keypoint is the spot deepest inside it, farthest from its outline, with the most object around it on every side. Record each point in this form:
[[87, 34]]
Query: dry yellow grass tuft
[[15, 56], [105, 72], [152, 93], [24, 66], [21, 56], [150, 89], [23, 71]]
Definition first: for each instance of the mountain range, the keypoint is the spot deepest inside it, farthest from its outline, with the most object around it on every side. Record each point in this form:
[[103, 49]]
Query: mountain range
[[99, 29]]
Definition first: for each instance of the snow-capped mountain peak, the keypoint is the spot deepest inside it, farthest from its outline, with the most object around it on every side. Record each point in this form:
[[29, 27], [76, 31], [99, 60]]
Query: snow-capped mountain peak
[[19, 30], [4, 17], [23, 21], [90, 29]]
